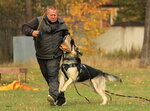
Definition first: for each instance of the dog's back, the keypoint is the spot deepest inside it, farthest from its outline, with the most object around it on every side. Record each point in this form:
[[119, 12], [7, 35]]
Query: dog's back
[[86, 72]]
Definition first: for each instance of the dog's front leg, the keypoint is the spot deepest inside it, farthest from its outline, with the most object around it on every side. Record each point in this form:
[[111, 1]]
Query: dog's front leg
[[61, 97], [67, 83], [72, 75]]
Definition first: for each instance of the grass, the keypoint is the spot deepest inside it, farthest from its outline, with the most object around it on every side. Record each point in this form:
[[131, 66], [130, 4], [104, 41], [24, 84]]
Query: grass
[[135, 83]]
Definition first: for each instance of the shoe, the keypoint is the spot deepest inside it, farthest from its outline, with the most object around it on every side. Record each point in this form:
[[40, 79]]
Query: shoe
[[61, 99], [51, 100], [61, 102]]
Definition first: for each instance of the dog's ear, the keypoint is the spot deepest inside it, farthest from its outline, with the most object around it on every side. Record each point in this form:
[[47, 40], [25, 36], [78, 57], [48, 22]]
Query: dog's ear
[[72, 42]]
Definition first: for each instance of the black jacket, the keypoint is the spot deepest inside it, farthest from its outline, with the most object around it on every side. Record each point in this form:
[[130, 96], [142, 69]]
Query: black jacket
[[50, 37]]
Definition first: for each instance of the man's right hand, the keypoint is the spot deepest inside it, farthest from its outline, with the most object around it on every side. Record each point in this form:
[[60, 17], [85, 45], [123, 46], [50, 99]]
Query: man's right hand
[[35, 33]]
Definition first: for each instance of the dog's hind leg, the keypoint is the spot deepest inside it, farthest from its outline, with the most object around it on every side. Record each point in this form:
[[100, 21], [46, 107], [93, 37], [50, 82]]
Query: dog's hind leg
[[99, 86]]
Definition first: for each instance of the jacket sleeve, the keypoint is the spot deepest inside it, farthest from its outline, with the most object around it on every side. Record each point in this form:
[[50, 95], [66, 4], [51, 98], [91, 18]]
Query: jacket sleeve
[[65, 32], [29, 27]]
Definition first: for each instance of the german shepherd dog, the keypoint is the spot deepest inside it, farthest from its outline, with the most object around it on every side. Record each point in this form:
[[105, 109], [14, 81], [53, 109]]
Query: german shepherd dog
[[73, 71]]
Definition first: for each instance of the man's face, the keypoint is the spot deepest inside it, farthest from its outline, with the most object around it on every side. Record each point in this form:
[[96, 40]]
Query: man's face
[[52, 15]]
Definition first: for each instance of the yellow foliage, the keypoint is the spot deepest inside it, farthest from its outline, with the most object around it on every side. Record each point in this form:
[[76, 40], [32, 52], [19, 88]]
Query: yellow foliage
[[85, 41], [87, 17], [90, 50]]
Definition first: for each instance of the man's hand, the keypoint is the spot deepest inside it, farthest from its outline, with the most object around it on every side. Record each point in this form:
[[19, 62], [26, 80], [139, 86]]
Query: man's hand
[[35, 33]]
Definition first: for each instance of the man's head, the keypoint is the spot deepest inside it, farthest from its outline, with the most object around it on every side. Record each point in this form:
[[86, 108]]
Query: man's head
[[52, 13]]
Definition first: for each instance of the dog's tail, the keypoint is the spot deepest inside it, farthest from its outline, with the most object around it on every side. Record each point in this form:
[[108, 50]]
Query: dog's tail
[[112, 78]]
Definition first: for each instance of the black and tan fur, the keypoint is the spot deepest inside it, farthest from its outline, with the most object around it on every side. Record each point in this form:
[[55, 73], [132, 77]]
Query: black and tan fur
[[77, 72]]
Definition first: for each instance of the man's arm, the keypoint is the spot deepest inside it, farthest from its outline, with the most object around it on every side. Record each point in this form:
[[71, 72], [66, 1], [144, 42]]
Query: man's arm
[[30, 28]]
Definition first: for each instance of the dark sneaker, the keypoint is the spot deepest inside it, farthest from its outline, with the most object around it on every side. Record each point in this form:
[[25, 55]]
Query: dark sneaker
[[61, 99], [51, 100], [60, 102]]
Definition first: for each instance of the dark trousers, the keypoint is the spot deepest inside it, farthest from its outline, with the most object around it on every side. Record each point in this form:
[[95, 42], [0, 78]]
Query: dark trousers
[[50, 70]]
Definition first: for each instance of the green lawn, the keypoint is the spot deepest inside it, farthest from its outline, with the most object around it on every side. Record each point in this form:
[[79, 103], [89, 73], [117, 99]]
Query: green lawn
[[136, 82]]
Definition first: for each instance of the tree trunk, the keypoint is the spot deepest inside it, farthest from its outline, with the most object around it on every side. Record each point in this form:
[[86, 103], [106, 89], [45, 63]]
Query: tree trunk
[[145, 54], [28, 10]]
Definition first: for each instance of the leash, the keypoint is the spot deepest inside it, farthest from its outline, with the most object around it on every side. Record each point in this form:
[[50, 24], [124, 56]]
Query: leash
[[80, 94], [121, 95], [105, 93]]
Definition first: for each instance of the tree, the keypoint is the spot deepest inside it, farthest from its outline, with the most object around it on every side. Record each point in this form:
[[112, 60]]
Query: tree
[[39, 6], [130, 10], [14, 13], [145, 55], [11, 17], [28, 10], [85, 20]]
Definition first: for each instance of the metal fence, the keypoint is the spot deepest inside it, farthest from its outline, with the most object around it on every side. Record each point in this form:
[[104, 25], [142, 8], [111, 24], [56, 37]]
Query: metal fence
[[23, 49]]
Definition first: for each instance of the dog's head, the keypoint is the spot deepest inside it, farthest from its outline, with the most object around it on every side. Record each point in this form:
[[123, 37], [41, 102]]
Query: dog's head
[[69, 47]]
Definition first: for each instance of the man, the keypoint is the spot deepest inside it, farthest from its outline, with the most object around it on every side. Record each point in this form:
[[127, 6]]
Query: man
[[48, 32]]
